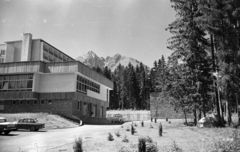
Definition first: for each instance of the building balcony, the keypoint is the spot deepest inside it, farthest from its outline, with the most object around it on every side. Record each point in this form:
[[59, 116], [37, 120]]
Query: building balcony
[[53, 67]]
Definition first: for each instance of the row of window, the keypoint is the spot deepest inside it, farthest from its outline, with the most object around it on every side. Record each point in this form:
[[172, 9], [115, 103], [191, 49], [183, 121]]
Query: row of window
[[2, 52], [84, 84], [21, 102], [53, 55], [17, 77], [10, 83], [2, 60]]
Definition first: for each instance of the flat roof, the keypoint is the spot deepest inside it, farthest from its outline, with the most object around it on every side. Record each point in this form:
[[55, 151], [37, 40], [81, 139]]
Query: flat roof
[[42, 41]]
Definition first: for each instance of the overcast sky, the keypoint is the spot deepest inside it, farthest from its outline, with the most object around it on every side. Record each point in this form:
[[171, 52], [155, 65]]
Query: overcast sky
[[133, 28]]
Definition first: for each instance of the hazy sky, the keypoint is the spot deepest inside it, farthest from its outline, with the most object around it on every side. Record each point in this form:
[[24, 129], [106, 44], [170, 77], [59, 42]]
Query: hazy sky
[[133, 28]]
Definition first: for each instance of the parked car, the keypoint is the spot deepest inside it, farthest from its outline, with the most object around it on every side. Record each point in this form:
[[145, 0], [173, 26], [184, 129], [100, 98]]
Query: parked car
[[29, 123], [116, 118], [5, 126]]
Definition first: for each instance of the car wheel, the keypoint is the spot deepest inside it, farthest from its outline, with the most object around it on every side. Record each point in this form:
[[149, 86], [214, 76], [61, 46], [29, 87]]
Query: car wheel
[[32, 129], [6, 132], [36, 129], [0, 132]]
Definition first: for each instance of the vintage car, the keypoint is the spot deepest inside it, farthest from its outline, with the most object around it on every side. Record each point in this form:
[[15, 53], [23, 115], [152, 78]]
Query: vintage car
[[5, 126], [29, 123], [116, 118]]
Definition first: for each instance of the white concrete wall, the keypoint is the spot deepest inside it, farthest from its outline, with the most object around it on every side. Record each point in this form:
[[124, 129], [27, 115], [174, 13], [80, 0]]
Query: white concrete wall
[[63, 82], [17, 45], [9, 53], [36, 50], [36, 82], [26, 47]]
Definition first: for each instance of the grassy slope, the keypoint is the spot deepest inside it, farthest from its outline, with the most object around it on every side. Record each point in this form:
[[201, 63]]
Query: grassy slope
[[50, 120], [189, 139]]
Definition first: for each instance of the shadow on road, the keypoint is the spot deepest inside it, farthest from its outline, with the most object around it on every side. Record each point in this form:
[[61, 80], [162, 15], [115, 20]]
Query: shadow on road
[[109, 124], [11, 134], [31, 131]]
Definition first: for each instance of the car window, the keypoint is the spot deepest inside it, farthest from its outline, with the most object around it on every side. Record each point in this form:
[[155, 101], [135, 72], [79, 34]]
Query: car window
[[3, 120], [31, 120], [20, 120], [25, 120]]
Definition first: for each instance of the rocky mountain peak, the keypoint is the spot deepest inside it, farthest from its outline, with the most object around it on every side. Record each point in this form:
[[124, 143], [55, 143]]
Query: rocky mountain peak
[[93, 60]]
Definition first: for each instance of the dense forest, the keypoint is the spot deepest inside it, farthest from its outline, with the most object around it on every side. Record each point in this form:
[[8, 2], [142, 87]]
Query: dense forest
[[203, 72]]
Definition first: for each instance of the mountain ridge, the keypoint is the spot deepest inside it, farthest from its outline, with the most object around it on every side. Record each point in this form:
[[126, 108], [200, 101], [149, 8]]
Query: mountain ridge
[[91, 59]]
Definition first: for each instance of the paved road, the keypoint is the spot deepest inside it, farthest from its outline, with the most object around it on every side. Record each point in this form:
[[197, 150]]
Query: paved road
[[22, 141]]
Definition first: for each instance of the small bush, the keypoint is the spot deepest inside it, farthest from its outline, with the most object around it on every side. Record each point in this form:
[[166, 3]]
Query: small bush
[[152, 147], [166, 118], [142, 123], [121, 126], [160, 129], [77, 146], [135, 124], [151, 125], [175, 147], [169, 122], [133, 130], [117, 134], [149, 139], [127, 129], [110, 137], [142, 144], [125, 139]]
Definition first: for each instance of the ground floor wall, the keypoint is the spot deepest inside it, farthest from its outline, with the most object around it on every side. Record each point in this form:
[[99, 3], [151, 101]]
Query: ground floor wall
[[88, 109], [48, 106]]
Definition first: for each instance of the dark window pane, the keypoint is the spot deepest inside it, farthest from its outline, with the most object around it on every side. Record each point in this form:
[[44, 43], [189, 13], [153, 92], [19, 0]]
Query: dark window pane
[[12, 77], [30, 76], [23, 84], [5, 77], [24, 77], [29, 84], [1, 85], [12, 85]]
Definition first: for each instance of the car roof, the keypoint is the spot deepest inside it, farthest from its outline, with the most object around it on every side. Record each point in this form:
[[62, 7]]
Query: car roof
[[28, 118]]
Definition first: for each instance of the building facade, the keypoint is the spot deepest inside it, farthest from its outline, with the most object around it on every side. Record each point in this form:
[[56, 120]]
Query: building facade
[[37, 77]]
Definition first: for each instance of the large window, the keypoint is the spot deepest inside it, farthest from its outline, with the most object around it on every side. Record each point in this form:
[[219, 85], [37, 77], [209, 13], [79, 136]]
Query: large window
[[2, 60], [20, 82], [2, 52], [84, 84]]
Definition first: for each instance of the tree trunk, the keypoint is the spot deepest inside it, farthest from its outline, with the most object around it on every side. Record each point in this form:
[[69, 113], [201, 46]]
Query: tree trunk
[[185, 114], [199, 114], [238, 109], [195, 115]]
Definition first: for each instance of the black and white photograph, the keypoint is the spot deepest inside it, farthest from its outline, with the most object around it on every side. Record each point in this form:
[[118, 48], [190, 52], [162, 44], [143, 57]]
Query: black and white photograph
[[119, 75]]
